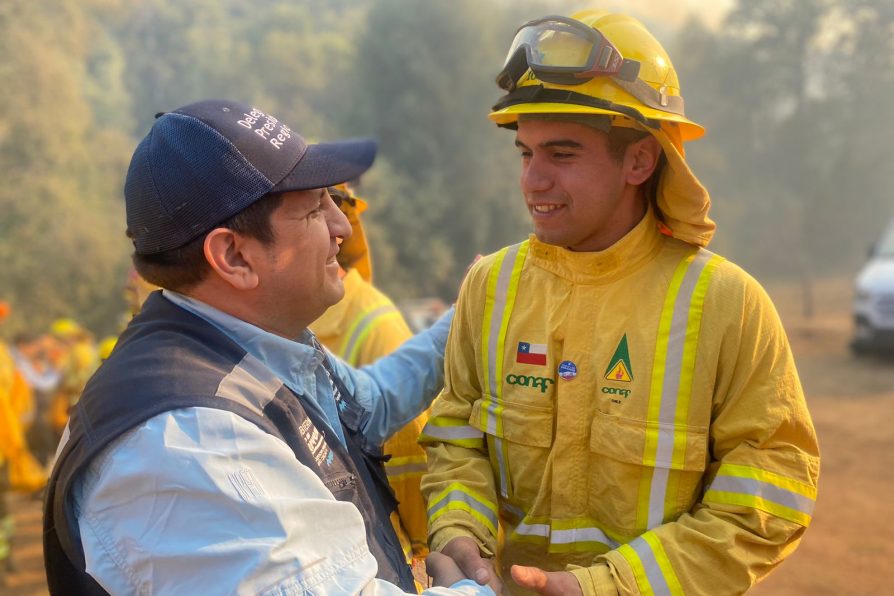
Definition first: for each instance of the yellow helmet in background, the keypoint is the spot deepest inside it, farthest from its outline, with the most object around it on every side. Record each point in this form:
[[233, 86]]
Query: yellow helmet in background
[[592, 63], [354, 251], [106, 346], [66, 329], [596, 62]]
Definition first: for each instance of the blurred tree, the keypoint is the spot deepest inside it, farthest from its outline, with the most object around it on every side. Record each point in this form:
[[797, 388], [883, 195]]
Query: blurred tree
[[785, 91], [425, 81], [61, 235], [794, 94]]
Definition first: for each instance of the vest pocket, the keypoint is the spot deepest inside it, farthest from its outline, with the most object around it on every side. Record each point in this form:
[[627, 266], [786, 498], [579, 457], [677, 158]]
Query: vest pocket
[[519, 437], [642, 473]]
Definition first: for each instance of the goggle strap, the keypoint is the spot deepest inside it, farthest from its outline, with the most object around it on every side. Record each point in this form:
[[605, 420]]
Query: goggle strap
[[655, 99], [540, 94]]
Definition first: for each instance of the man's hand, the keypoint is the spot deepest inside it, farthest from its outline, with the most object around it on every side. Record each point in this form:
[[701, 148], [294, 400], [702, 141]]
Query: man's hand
[[442, 570], [464, 552], [551, 583]]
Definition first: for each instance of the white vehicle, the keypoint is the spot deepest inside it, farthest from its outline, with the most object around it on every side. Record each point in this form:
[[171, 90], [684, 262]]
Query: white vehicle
[[874, 298]]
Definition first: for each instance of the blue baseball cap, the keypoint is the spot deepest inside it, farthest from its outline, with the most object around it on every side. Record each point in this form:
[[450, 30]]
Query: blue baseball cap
[[204, 163]]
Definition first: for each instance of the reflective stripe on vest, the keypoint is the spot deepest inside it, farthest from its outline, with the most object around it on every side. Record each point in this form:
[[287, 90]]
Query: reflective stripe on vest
[[458, 497], [671, 387], [409, 466], [760, 489], [651, 567], [565, 535], [455, 431], [502, 285], [365, 322]]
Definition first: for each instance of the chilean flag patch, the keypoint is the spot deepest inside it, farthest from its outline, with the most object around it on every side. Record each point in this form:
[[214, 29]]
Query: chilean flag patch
[[531, 353]]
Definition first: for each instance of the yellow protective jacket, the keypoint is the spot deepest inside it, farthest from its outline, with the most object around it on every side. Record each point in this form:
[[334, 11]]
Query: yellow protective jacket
[[12, 440], [360, 329], [79, 364], [633, 415], [24, 473]]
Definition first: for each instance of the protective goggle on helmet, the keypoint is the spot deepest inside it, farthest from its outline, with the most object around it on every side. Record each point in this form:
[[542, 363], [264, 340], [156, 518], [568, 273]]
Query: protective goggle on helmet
[[563, 51]]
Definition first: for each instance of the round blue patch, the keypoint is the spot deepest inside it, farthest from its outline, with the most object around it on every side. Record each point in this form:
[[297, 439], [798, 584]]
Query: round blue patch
[[567, 370]]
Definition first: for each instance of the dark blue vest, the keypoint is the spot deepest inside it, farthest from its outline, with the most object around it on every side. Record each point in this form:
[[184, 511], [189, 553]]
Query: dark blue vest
[[168, 359]]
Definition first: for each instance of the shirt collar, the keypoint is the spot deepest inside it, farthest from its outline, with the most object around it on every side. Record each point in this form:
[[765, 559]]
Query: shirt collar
[[293, 361]]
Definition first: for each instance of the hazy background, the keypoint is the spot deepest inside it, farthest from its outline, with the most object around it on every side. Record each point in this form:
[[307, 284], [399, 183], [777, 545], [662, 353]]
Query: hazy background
[[797, 97]]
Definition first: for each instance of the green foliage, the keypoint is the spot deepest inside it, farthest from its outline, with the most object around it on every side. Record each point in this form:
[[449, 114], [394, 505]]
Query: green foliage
[[795, 98], [60, 234], [795, 95]]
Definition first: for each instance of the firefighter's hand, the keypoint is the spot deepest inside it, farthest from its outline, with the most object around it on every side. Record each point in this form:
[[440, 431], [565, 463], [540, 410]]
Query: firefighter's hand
[[442, 569], [464, 551], [551, 583]]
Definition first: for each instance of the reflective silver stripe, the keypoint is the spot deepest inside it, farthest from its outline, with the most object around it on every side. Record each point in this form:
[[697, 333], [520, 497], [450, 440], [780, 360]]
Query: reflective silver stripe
[[495, 355], [489, 407], [676, 344], [493, 339], [650, 564], [498, 447], [250, 384], [360, 327], [764, 490], [415, 468], [452, 432], [572, 535], [512, 510], [532, 530], [567, 535], [458, 496], [496, 318]]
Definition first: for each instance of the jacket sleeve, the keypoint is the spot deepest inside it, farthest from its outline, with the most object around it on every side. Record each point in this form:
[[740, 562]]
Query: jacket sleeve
[[385, 334], [396, 388], [761, 478], [201, 501], [459, 486]]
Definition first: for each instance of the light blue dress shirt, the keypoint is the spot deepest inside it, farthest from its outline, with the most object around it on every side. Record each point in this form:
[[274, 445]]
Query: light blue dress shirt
[[201, 501]]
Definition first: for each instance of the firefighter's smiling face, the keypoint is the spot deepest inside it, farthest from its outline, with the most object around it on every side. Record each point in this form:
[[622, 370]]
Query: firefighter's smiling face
[[579, 194]]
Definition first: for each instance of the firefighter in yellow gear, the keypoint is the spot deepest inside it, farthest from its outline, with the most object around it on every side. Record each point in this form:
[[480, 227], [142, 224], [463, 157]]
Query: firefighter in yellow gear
[[21, 471], [364, 326], [79, 360], [621, 412]]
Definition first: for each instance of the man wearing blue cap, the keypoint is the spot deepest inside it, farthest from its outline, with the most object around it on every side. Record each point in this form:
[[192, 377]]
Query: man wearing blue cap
[[219, 449]]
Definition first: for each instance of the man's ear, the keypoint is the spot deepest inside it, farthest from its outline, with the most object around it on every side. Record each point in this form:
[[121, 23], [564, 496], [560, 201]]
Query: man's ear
[[641, 159], [229, 255]]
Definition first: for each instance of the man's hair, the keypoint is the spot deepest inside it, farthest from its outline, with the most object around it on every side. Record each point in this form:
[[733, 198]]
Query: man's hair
[[181, 268], [619, 139]]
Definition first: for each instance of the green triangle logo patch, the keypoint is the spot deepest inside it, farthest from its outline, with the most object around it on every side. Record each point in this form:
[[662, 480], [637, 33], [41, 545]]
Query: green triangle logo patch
[[619, 368]]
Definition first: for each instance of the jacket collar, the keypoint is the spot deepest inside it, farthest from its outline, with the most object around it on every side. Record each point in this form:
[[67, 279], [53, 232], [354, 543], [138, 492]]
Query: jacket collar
[[632, 251]]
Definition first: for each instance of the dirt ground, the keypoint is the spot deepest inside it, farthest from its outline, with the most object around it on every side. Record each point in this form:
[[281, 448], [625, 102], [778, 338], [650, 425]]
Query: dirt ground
[[849, 547]]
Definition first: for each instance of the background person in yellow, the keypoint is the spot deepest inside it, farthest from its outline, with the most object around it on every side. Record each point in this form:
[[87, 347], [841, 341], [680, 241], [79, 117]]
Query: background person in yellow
[[620, 403], [360, 329], [78, 360], [18, 469]]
